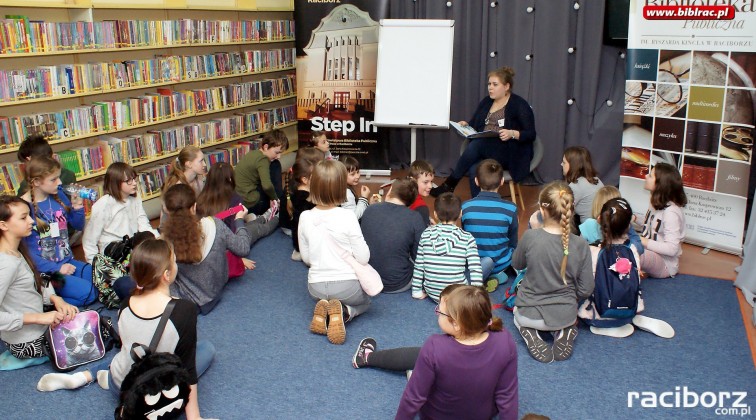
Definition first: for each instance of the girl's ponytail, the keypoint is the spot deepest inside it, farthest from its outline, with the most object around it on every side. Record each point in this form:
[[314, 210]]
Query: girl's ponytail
[[616, 215]]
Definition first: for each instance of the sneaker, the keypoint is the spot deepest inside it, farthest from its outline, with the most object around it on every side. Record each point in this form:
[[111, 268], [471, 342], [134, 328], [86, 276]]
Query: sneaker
[[443, 188], [296, 256], [336, 329], [564, 343], [492, 284], [367, 346], [536, 346], [616, 332], [654, 326], [409, 374], [318, 323], [286, 231]]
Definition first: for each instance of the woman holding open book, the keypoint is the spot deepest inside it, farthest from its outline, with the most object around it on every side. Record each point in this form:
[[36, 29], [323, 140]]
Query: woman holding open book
[[504, 113]]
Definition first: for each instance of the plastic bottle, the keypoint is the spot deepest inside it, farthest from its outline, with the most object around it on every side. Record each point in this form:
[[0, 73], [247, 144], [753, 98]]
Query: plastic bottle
[[74, 190]]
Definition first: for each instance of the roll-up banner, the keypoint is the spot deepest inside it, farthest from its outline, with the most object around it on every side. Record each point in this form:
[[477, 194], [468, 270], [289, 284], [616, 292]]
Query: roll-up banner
[[337, 51], [690, 101]]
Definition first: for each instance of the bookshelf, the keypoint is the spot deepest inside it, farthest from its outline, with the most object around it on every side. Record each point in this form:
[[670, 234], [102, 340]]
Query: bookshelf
[[142, 34]]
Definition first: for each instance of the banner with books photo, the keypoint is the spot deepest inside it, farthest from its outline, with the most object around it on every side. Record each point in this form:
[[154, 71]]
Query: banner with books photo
[[337, 51], [690, 101]]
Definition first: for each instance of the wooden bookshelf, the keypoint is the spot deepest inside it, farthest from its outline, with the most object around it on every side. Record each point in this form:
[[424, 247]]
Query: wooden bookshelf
[[141, 10], [243, 5], [146, 47], [137, 87]]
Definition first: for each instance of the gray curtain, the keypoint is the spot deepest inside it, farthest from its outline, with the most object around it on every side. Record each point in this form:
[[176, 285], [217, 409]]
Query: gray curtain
[[591, 75]]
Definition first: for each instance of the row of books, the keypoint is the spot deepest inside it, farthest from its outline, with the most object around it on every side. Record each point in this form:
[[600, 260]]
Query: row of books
[[18, 34], [69, 79], [161, 143], [105, 116]]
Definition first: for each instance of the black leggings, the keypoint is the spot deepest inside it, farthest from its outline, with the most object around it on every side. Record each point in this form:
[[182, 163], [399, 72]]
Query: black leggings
[[402, 358]]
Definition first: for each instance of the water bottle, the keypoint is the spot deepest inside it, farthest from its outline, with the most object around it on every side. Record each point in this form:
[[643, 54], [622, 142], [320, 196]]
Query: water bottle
[[74, 190]]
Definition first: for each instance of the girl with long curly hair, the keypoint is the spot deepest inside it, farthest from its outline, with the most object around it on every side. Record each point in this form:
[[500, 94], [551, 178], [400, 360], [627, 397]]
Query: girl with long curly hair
[[200, 245]]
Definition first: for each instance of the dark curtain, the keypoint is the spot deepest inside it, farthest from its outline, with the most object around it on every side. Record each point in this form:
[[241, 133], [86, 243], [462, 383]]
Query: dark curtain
[[592, 74]]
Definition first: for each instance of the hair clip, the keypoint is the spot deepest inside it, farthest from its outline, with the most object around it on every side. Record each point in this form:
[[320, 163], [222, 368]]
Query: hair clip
[[614, 210], [561, 193], [566, 252], [490, 322], [544, 204], [138, 287]]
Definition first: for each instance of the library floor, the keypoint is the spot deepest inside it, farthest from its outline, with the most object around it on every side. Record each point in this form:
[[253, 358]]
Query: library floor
[[714, 264]]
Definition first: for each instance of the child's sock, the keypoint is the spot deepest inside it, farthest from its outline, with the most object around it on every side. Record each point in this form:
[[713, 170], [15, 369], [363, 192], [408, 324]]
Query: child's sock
[[56, 381], [102, 379]]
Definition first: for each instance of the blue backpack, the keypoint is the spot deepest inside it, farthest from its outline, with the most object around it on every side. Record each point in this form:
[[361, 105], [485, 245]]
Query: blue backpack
[[617, 284], [510, 294]]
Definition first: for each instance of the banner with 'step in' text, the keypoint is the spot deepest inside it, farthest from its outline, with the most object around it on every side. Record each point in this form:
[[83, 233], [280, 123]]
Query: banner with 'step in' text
[[690, 101], [337, 53]]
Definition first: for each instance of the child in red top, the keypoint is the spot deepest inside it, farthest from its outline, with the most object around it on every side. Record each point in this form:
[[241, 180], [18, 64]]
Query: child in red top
[[422, 172]]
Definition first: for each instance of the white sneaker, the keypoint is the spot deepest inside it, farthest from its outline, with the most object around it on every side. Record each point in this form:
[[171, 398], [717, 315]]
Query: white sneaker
[[654, 326], [296, 256], [617, 332], [286, 232]]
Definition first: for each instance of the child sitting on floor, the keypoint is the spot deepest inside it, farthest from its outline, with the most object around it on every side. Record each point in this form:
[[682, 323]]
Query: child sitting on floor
[[23, 292], [217, 197], [547, 297], [48, 243], [591, 229], [492, 221], [446, 254], [301, 173], [331, 280], [422, 172], [474, 357], [664, 225], [392, 251], [200, 245], [353, 202]]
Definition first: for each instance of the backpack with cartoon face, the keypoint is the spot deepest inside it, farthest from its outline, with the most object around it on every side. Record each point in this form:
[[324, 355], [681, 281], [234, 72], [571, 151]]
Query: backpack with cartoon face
[[157, 386], [617, 290]]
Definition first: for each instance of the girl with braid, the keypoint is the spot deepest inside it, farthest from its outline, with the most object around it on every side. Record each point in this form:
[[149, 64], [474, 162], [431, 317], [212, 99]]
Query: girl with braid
[[559, 275], [48, 244]]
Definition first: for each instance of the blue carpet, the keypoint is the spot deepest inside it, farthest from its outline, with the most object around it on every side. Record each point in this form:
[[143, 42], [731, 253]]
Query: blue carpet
[[270, 366]]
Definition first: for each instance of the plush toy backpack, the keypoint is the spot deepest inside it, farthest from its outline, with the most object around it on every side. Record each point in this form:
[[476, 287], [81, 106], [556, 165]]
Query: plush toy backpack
[[615, 297], [157, 386]]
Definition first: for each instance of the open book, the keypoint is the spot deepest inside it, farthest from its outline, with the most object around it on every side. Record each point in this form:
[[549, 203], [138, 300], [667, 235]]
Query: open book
[[470, 132]]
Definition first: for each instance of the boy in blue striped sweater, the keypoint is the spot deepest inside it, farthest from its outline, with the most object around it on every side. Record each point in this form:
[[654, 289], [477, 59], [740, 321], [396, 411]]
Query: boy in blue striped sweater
[[446, 254], [492, 221]]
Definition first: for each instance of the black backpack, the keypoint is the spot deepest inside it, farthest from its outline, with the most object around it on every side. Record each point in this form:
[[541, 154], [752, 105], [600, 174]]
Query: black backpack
[[157, 385], [119, 251]]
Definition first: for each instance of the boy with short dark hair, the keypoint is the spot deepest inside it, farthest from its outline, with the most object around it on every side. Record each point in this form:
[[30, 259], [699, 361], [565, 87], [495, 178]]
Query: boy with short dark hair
[[36, 146], [393, 250], [422, 172], [446, 254], [492, 221], [258, 175]]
